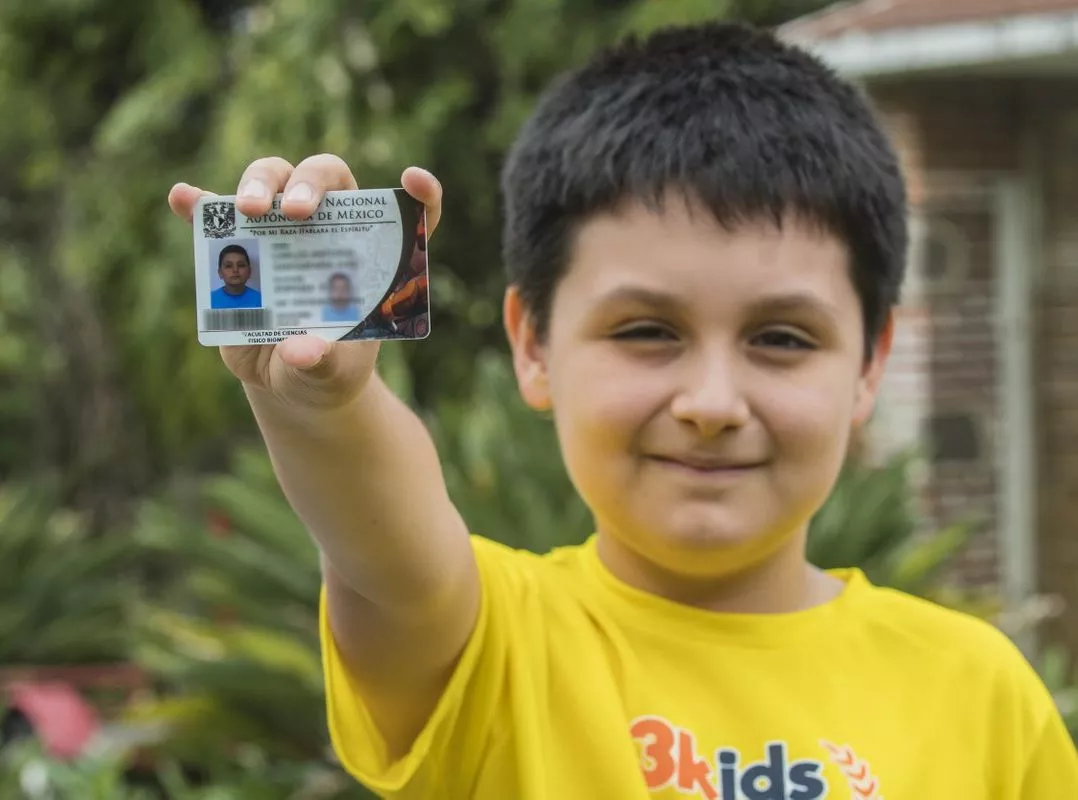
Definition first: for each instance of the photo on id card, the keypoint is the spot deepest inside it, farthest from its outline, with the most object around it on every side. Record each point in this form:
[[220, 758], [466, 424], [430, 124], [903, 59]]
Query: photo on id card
[[355, 269]]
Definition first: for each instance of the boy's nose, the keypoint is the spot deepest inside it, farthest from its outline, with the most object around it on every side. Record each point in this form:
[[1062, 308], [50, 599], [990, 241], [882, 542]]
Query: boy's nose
[[710, 397]]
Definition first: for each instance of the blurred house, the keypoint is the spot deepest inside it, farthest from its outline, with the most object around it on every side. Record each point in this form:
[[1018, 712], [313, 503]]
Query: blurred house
[[982, 99]]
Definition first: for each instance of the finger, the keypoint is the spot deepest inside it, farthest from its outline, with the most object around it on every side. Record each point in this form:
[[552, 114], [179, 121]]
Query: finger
[[303, 352], [260, 182], [182, 199], [427, 189], [312, 178]]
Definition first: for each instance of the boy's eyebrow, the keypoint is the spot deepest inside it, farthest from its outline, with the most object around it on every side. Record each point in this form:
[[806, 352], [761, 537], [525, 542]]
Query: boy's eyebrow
[[777, 303], [638, 294], [795, 301]]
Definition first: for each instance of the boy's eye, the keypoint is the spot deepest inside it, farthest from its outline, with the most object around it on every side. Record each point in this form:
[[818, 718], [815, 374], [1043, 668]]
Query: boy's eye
[[783, 340], [644, 333]]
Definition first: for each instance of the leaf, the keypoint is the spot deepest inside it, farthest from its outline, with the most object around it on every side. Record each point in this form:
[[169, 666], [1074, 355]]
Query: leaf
[[917, 564]]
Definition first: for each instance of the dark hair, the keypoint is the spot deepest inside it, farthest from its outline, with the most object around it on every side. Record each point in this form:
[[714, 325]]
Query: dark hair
[[340, 276], [232, 248], [727, 115]]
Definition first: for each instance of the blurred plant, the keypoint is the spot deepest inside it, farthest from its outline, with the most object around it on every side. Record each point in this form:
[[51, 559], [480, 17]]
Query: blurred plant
[[870, 522], [65, 597], [105, 93], [117, 101], [1060, 676], [503, 467], [233, 637], [27, 772]]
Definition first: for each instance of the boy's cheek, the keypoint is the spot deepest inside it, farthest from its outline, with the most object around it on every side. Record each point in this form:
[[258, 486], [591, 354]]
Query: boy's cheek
[[810, 430], [607, 399], [809, 409]]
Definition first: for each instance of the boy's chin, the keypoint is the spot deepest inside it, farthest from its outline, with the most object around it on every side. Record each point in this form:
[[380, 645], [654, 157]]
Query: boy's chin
[[708, 546]]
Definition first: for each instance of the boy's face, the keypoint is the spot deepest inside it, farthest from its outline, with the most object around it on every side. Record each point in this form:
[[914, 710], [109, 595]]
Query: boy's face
[[235, 271], [340, 292], [704, 384]]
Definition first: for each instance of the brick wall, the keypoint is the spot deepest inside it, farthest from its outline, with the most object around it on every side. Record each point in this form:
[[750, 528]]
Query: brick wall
[[905, 393], [955, 136], [963, 377], [1057, 350]]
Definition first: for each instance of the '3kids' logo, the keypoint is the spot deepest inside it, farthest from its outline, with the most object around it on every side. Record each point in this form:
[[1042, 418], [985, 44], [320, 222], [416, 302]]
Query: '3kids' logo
[[669, 759]]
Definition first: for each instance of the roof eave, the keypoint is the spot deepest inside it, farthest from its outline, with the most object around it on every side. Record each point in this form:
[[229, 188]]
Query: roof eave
[[949, 46]]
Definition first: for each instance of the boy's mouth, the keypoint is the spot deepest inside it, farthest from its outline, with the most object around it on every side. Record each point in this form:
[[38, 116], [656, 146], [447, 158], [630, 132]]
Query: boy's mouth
[[709, 464]]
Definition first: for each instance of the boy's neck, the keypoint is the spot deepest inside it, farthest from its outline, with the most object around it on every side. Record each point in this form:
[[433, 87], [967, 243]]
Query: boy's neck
[[783, 583]]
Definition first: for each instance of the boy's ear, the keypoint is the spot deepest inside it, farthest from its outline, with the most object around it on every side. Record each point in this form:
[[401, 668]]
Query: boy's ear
[[529, 355], [868, 386]]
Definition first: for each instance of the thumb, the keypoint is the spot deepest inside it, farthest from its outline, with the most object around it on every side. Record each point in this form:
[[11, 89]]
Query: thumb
[[303, 352]]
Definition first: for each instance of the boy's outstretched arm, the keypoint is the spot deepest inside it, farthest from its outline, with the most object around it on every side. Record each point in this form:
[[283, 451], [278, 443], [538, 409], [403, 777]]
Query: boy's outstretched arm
[[361, 472]]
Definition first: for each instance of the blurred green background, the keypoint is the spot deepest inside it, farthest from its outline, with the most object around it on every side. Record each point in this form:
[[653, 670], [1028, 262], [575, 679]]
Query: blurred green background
[[140, 526]]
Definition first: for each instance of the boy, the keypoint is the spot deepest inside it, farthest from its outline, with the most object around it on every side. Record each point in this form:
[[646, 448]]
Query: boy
[[234, 269], [705, 235], [341, 306]]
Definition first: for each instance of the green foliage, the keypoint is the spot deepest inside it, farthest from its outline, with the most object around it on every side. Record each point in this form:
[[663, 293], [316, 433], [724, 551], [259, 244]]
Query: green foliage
[[65, 597], [234, 635], [870, 521], [503, 467], [116, 102], [1057, 670], [258, 778], [28, 773], [238, 624]]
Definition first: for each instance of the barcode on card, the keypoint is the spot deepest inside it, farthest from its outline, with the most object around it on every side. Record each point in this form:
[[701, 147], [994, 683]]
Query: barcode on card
[[237, 319]]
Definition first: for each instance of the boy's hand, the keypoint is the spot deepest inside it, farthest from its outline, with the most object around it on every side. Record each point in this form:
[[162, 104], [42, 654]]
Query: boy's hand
[[304, 371]]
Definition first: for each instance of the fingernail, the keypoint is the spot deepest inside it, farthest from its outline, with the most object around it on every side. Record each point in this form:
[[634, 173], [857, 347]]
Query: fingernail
[[254, 189], [433, 178], [300, 193]]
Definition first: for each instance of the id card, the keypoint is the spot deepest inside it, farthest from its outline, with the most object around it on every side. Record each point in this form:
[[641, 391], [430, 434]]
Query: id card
[[355, 269]]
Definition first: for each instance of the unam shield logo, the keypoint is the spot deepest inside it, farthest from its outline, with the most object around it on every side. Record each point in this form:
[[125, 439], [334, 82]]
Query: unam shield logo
[[218, 220]]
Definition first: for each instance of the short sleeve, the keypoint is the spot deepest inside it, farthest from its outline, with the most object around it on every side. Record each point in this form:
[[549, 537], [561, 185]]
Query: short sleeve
[[449, 750]]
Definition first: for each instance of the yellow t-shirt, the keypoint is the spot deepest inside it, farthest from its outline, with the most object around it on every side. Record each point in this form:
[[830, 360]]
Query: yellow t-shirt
[[575, 686]]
